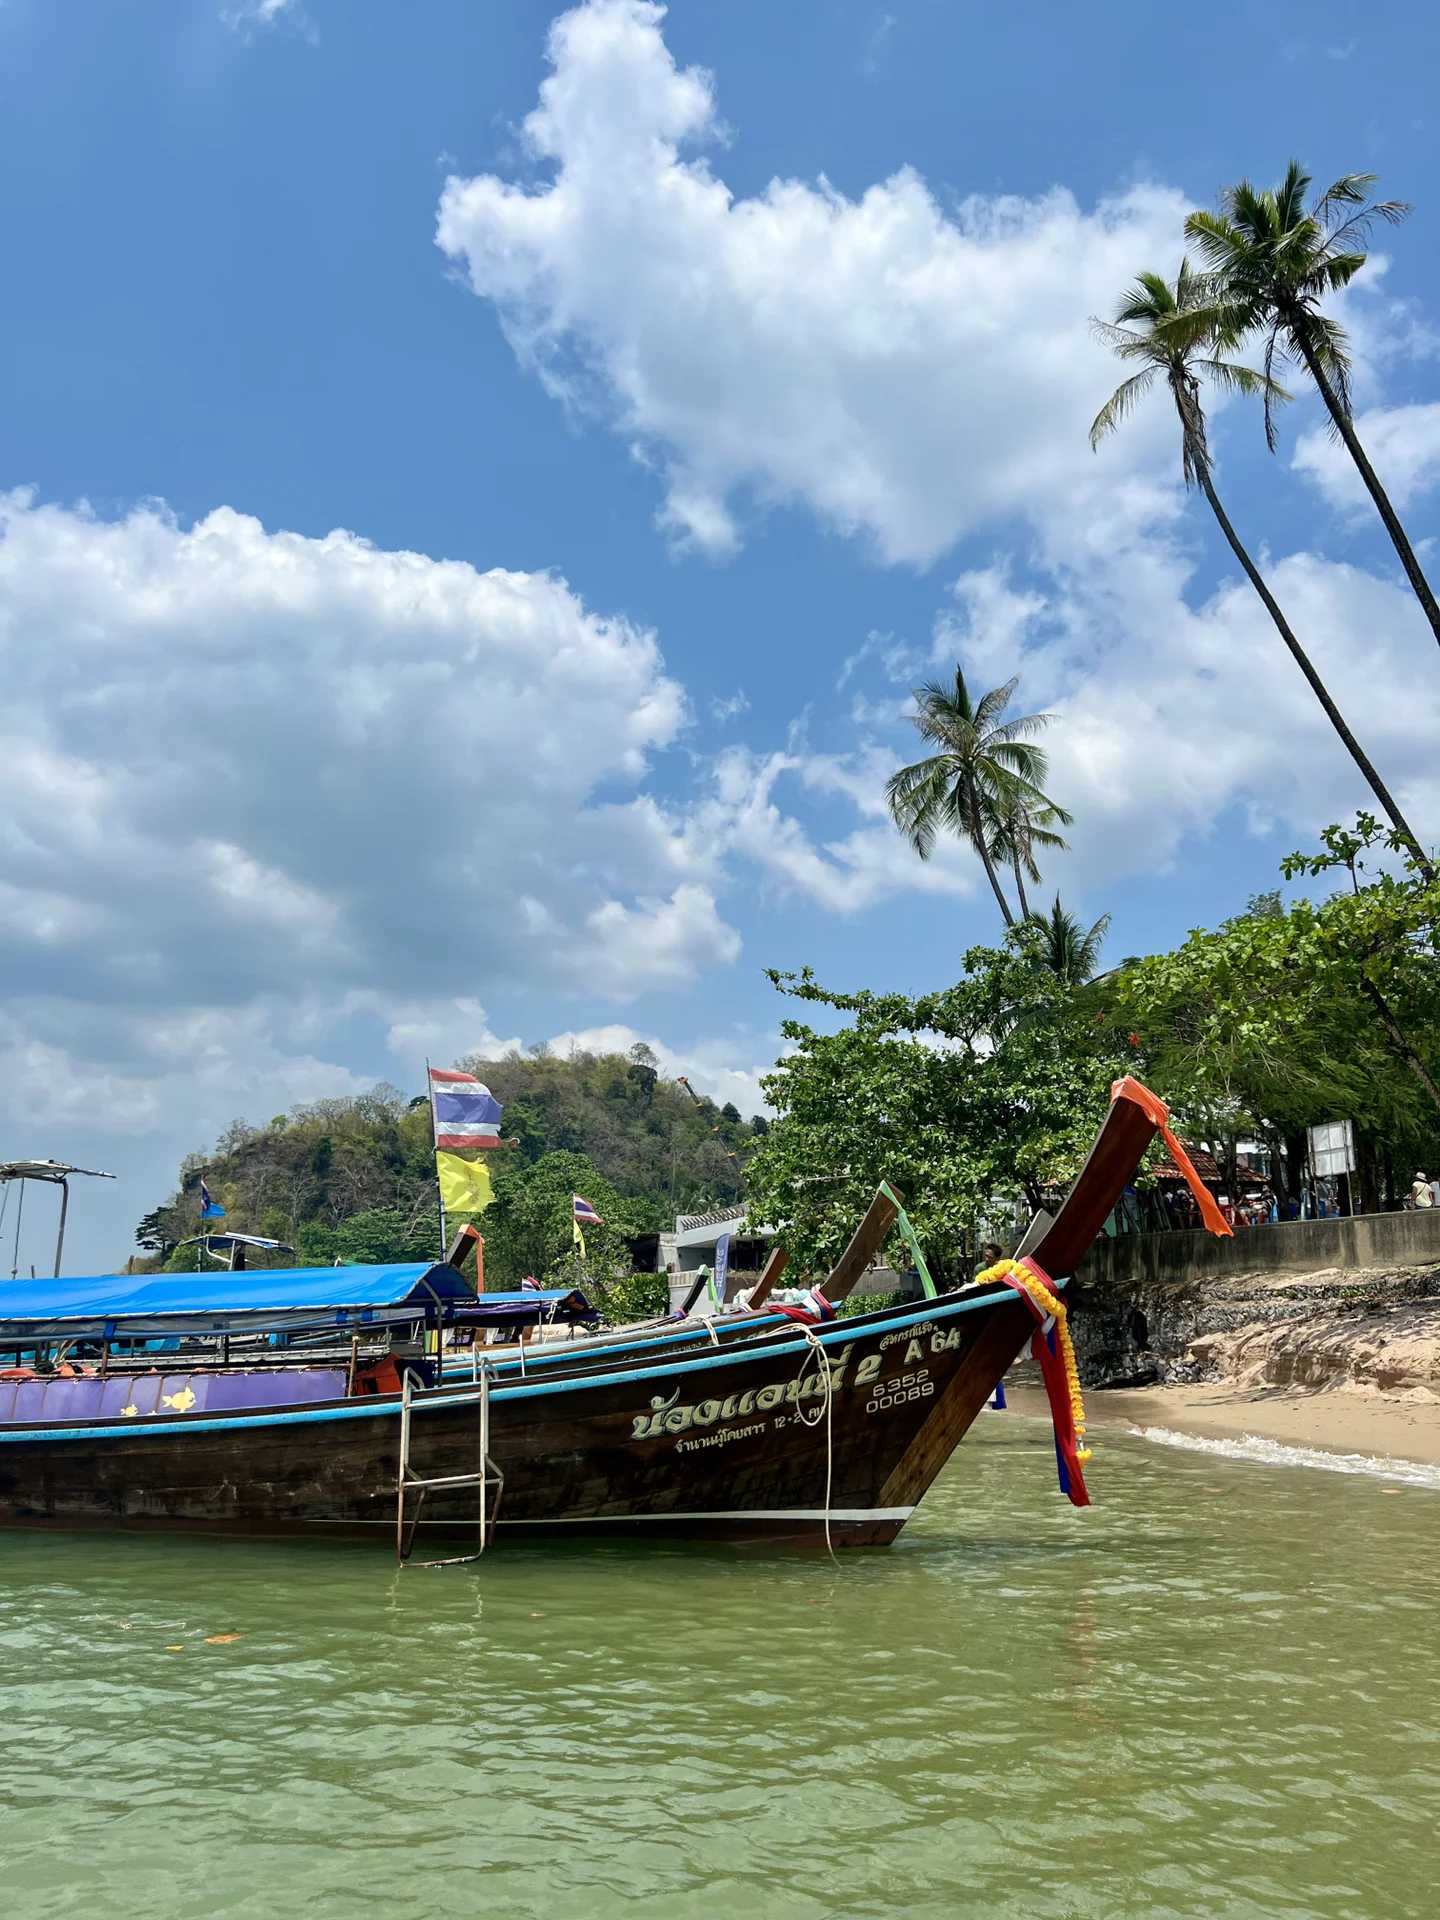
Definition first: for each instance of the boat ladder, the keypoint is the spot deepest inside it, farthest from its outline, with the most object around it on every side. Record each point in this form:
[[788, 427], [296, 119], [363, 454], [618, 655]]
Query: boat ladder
[[411, 1487]]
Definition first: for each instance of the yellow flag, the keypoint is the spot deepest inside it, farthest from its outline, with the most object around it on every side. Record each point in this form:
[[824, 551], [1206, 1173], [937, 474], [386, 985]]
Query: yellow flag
[[464, 1184]]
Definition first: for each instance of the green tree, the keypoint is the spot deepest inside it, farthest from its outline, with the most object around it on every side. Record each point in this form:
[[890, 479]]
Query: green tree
[[983, 762], [1022, 827], [530, 1228], [1274, 261], [965, 1099], [160, 1229], [1069, 951], [1173, 334], [1306, 1014], [369, 1158], [375, 1236]]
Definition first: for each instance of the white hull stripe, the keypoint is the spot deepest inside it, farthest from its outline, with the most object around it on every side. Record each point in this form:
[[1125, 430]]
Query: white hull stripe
[[740, 1513], [817, 1514]]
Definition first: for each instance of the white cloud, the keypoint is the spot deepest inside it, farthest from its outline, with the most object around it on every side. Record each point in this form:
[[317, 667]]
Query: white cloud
[[912, 372], [709, 1065], [243, 14], [249, 773], [441, 1030], [657, 940], [244, 753], [1168, 713], [731, 707], [909, 371], [1403, 445], [116, 1070]]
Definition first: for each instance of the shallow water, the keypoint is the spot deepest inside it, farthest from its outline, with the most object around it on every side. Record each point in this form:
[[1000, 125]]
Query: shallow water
[[1214, 1693]]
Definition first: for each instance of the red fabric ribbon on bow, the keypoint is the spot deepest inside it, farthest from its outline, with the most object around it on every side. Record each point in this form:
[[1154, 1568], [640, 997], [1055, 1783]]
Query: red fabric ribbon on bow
[[1057, 1388]]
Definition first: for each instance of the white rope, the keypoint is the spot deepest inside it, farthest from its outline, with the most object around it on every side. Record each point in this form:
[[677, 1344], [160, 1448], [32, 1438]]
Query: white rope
[[710, 1325], [814, 1348]]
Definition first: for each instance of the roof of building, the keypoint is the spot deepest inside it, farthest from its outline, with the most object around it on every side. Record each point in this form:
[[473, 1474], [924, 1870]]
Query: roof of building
[[1208, 1168], [687, 1222]]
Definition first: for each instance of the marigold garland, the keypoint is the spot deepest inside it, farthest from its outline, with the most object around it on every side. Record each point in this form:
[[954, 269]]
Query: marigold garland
[[1049, 1303]]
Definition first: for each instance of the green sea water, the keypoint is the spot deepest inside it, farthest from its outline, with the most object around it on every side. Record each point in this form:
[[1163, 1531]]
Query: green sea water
[[1216, 1693]]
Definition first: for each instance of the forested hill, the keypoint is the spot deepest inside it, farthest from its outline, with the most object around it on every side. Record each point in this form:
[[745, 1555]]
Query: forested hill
[[354, 1178]]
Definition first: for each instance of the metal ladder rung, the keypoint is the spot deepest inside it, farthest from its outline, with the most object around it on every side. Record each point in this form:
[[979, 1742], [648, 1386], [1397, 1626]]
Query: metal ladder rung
[[489, 1476], [448, 1480]]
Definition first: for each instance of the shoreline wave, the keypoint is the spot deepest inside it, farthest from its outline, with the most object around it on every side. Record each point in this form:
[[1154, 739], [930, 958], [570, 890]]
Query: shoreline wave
[[1258, 1451]]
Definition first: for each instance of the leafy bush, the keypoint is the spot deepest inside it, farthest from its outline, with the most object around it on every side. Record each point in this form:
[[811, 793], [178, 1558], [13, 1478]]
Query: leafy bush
[[640, 1296]]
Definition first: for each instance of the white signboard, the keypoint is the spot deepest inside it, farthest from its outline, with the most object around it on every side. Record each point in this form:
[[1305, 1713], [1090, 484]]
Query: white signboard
[[1332, 1149]]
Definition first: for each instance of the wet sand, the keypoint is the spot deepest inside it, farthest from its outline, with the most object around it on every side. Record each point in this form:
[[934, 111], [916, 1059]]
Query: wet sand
[[1398, 1426]]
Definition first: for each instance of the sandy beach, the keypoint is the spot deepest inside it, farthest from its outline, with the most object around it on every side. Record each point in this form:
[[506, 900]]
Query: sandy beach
[[1397, 1426]]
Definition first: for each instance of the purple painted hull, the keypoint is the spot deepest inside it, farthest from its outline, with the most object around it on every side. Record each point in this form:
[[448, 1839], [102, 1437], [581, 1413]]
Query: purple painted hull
[[69, 1398]]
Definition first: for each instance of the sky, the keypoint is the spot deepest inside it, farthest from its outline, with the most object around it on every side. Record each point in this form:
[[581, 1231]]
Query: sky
[[479, 483]]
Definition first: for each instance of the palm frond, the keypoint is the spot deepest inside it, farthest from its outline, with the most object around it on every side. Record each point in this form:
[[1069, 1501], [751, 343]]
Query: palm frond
[[1272, 385], [1330, 344], [1019, 727], [992, 705], [1329, 275], [1150, 299], [1348, 191], [1252, 211], [1063, 948], [1216, 238], [1231, 377], [1121, 403], [916, 796], [1183, 333]]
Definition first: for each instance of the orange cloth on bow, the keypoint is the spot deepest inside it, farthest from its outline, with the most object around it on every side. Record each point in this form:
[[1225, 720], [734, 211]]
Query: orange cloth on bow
[[1156, 1111]]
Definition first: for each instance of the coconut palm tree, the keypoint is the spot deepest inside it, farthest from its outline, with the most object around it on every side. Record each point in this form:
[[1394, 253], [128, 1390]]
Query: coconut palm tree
[[1022, 827], [981, 760], [1273, 260], [1069, 952], [1174, 334]]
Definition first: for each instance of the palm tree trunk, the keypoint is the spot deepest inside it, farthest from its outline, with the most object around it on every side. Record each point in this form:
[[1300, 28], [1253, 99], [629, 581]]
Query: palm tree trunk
[[1020, 887], [1396, 1034], [1346, 427], [1302, 660], [977, 836]]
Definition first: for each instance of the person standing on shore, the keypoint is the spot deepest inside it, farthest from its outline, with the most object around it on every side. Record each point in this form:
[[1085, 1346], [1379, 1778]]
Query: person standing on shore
[[1421, 1193]]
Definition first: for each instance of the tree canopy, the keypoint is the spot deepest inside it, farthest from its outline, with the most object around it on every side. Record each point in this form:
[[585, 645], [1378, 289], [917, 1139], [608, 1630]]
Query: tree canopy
[[354, 1178], [1285, 1017], [983, 1094]]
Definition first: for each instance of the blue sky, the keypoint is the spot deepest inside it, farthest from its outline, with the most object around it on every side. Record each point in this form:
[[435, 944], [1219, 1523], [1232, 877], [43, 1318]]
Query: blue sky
[[419, 637]]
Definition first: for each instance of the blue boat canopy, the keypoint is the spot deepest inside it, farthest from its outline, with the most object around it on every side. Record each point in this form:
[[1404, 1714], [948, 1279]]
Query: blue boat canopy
[[105, 1306]]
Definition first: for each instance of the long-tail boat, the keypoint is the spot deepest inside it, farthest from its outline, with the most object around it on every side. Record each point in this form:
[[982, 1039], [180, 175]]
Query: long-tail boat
[[786, 1431]]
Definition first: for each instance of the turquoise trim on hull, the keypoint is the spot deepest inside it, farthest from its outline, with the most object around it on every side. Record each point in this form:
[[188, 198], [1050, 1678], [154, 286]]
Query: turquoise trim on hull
[[763, 1323], [834, 1333]]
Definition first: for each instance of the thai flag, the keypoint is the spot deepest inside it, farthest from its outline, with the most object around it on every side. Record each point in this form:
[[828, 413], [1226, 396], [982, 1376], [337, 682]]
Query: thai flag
[[466, 1113], [585, 1214], [209, 1209]]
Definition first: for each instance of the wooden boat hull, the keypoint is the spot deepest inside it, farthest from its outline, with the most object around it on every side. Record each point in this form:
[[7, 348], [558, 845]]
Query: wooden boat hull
[[737, 1442], [796, 1434]]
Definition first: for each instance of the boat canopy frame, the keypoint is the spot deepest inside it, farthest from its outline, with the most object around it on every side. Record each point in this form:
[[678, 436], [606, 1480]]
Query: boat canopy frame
[[346, 1300]]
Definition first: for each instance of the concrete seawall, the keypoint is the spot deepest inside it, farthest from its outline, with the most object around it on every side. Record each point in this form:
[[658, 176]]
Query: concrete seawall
[[1367, 1240]]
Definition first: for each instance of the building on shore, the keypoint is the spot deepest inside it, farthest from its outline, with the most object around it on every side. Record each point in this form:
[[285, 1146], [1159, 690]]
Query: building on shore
[[695, 1242]]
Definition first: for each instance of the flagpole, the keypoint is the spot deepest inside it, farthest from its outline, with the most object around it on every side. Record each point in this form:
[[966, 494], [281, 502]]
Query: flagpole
[[435, 1153]]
